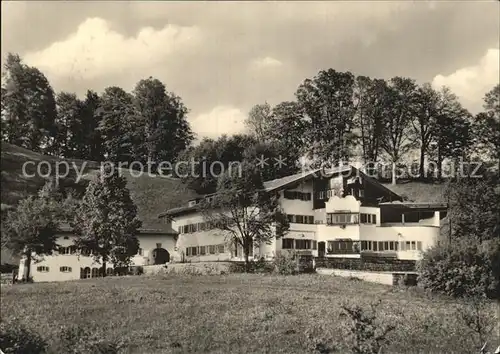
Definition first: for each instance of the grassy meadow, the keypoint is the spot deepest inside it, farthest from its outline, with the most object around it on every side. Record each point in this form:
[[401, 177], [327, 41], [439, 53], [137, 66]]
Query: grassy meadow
[[235, 313]]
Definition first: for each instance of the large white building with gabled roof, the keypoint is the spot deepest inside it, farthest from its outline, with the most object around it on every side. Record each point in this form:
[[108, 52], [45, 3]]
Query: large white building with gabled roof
[[340, 212], [336, 213]]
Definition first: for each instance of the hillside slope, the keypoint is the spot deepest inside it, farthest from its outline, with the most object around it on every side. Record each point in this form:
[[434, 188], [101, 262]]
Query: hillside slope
[[152, 195]]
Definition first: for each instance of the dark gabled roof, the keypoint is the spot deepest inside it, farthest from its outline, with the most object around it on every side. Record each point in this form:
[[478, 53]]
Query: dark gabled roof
[[284, 182], [167, 230], [376, 183]]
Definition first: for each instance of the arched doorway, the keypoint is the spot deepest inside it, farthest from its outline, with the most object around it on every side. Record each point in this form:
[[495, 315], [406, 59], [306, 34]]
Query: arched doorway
[[85, 272], [160, 256]]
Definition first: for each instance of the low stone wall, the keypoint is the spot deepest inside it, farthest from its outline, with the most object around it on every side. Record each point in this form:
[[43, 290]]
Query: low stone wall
[[372, 264], [381, 278], [386, 278]]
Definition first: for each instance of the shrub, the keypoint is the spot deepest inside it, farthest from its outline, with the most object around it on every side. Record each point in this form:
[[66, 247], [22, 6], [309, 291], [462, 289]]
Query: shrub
[[258, 266], [366, 334], [462, 269], [79, 340], [138, 270], [17, 339], [286, 263], [476, 314]]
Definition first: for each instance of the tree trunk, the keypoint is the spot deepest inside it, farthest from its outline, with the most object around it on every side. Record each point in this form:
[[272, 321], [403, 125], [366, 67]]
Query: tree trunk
[[28, 264], [103, 268], [247, 262], [394, 173], [439, 165], [246, 251], [422, 161]]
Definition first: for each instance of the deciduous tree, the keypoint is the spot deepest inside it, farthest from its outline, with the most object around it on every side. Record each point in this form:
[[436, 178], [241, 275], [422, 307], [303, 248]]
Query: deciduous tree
[[327, 101], [371, 100], [28, 106], [106, 221], [200, 166], [163, 120], [259, 121], [33, 226], [487, 125], [244, 211], [119, 127], [69, 138], [397, 140]]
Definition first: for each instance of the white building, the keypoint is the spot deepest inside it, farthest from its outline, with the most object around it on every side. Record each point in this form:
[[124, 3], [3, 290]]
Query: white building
[[336, 213], [66, 263]]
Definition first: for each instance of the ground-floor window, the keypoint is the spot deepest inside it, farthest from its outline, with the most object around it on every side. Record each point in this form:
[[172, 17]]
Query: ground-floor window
[[204, 250], [342, 247], [381, 246], [65, 269], [298, 244], [42, 269], [287, 243]]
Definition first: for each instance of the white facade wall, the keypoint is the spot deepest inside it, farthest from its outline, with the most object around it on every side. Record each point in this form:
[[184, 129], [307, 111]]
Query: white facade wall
[[147, 242], [203, 238], [426, 231]]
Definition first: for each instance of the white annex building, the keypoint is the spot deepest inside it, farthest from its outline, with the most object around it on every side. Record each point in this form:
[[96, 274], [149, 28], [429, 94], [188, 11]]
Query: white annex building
[[335, 213]]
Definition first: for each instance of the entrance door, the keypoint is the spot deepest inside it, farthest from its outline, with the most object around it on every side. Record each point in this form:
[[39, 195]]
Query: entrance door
[[321, 249], [160, 256]]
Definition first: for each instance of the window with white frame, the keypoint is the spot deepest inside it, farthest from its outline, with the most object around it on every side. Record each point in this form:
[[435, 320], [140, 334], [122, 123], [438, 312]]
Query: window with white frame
[[368, 218], [287, 243], [303, 244], [42, 269], [65, 269], [342, 218]]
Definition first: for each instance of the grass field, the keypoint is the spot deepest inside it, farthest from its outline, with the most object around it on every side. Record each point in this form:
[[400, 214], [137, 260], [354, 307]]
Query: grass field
[[235, 313]]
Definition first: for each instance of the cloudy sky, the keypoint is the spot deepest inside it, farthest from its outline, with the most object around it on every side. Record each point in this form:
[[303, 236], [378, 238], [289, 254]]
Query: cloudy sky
[[222, 58]]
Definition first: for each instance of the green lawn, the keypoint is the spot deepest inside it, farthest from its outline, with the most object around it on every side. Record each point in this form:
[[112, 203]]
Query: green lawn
[[234, 313]]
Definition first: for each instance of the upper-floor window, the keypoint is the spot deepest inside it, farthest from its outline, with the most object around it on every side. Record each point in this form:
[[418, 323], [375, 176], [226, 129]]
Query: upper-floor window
[[368, 218], [342, 218], [67, 250], [300, 219], [42, 269], [299, 244], [294, 195]]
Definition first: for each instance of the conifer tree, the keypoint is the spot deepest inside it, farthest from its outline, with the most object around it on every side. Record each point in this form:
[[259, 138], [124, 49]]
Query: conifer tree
[[106, 222]]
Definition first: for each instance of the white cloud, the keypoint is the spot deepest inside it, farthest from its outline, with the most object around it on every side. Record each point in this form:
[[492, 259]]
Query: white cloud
[[266, 62], [471, 83], [95, 49], [220, 120]]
